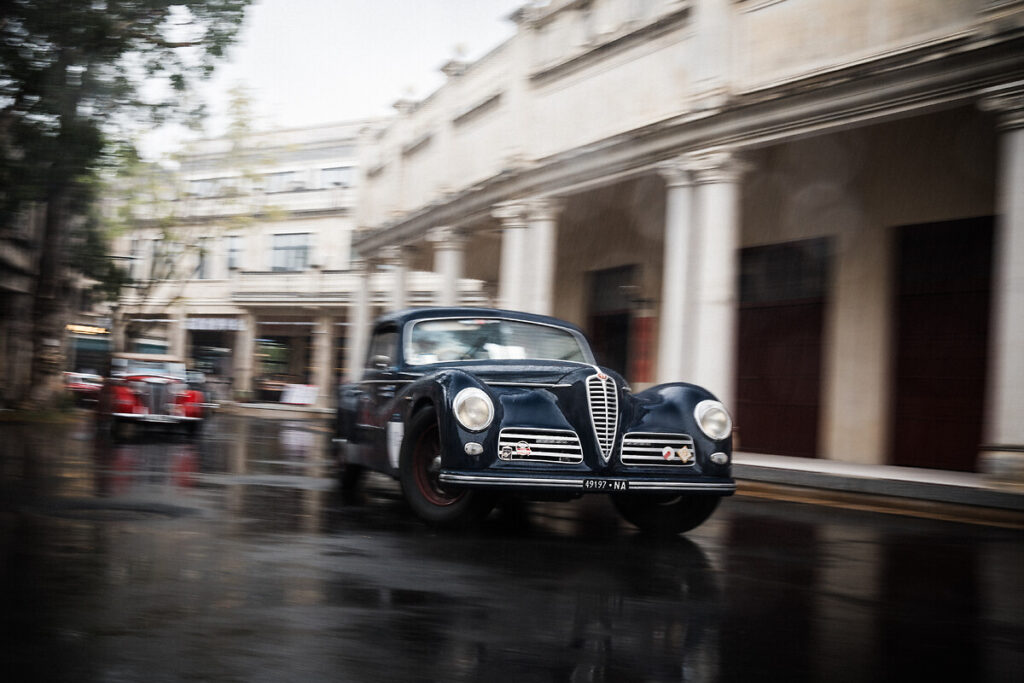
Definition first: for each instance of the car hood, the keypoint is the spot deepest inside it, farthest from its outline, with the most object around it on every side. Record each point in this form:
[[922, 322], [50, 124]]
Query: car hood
[[511, 373]]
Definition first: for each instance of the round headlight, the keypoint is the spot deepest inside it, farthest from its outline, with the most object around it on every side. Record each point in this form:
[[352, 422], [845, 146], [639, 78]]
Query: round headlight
[[474, 409], [713, 419]]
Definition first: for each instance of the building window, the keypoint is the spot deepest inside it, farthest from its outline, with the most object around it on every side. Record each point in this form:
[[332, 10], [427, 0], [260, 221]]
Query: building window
[[203, 259], [290, 252], [338, 176], [236, 244], [284, 181]]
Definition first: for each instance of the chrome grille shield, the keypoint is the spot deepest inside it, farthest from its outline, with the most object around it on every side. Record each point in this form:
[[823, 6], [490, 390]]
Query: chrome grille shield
[[603, 400], [539, 445], [649, 448], [157, 398]]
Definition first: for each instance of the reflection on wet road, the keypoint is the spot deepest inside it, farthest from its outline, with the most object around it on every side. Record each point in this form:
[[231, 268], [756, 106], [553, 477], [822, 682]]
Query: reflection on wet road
[[231, 557]]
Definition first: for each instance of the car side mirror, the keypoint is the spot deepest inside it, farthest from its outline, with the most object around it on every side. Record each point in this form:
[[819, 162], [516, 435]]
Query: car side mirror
[[380, 362]]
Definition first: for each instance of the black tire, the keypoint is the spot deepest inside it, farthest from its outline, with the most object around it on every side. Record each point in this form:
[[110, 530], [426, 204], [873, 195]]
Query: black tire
[[665, 515], [349, 475], [419, 467]]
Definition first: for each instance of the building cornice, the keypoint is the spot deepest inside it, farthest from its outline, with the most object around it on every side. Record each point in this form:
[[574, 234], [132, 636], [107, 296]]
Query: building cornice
[[934, 78]]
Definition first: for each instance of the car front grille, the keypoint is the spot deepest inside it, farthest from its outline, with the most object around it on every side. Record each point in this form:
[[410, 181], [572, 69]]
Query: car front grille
[[604, 410], [157, 398], [648, 448], [539, 445]]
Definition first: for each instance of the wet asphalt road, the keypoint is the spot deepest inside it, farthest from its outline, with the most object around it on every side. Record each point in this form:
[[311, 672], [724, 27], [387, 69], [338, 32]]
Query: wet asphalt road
[[232, 558]]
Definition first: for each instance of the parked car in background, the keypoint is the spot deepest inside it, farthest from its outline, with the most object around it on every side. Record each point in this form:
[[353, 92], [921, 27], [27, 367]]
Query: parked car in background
[[84, 387], [149, 389], [462, 405]]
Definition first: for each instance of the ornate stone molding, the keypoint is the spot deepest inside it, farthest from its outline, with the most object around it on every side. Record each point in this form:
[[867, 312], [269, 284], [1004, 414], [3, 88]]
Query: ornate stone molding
[[1007, 102], [676, 172], [511, 214], [544, 208], [394, 255], [715, 166], [447, 237]]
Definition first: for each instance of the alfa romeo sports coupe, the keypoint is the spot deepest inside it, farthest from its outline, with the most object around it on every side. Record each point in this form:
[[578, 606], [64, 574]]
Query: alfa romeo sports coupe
[[464, 405]]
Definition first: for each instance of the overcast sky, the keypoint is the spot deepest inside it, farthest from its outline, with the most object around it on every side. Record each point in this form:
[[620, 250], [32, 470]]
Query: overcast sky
[[317, 61]]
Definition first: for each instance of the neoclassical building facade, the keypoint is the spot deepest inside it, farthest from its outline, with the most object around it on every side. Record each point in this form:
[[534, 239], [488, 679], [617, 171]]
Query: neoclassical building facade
[[815, 208], [260, 292]]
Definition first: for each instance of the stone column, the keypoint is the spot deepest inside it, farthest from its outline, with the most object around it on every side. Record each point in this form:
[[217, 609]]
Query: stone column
[[1003, 455], [323, 359], [177, 335], [245, 357], [359, 322], [717, 198], [118, 325], [511, 279], [539, 263], [449, 247], [676, 334], [395, 257]]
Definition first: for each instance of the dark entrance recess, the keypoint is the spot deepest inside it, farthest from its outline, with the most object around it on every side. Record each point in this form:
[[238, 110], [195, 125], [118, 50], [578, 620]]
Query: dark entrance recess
[[943, 285], [609, 313], [782, 309]]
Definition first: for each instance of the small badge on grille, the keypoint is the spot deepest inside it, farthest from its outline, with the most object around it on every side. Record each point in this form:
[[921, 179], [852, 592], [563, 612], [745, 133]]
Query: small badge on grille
[[506, 453], [685, 454], [522, 448], [667, 452]]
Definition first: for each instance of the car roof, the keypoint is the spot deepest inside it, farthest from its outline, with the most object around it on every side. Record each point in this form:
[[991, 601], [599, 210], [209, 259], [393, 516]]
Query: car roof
[[404, 316]]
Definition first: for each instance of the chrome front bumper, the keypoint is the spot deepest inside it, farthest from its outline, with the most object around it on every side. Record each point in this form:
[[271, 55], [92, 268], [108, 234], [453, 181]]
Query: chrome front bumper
[[635, 484], [155, 418]]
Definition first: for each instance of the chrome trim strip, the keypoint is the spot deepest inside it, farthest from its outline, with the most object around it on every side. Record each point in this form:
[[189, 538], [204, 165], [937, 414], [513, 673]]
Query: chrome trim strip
[[543, 385], [450, 478], [680, 486]]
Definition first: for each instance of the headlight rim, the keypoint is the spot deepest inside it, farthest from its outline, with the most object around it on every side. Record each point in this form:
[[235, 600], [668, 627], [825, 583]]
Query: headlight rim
[[466, 394], [701, 410]]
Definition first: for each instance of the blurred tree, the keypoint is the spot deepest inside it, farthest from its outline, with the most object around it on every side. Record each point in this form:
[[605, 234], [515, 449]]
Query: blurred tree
[[76, 75]]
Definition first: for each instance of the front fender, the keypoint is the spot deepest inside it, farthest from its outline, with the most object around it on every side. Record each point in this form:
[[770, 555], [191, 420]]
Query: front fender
[[670, 408], [439, 390]]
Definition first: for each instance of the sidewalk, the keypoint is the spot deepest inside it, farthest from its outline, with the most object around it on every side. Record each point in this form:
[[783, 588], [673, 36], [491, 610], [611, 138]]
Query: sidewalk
[[941, 486]]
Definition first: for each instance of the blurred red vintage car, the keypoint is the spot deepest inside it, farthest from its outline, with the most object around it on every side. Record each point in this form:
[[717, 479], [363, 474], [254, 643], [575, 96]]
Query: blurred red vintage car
[[149, 389]]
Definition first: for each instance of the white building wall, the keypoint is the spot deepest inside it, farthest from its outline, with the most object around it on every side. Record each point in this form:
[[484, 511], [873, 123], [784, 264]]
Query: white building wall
[[825, 34]]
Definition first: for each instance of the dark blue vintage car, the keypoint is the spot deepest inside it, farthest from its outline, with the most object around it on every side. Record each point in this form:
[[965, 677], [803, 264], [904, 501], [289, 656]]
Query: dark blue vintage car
[[463, 405]]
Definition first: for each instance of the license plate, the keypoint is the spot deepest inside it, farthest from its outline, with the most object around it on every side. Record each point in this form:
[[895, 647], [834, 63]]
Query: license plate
[[605, 485], [159, 418]]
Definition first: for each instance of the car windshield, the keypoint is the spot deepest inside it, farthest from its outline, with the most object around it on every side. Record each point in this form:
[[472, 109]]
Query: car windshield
[[460, 339], [126, 367]]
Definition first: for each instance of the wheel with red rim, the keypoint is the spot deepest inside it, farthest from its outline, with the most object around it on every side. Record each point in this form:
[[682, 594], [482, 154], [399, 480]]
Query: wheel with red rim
[[419, 473]]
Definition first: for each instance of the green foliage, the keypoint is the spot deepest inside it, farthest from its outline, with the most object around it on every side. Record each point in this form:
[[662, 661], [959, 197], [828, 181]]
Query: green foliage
[[71, 76], [77, 77]]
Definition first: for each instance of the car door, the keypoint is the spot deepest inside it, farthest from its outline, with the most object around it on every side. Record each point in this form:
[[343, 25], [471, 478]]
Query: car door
[[377, 393]]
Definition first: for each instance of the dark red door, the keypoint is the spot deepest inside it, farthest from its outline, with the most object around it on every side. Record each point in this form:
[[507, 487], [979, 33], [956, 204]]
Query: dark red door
[[778, 369], [943, 287]]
